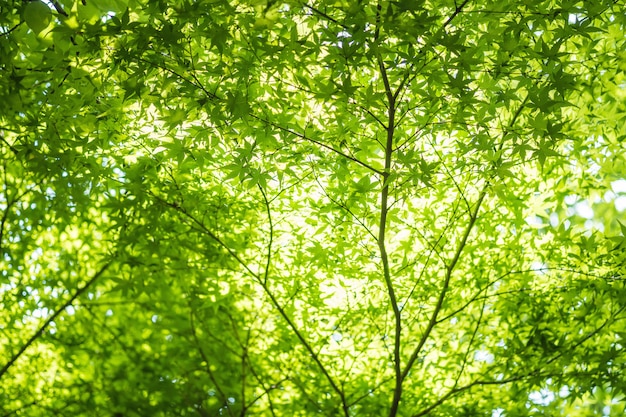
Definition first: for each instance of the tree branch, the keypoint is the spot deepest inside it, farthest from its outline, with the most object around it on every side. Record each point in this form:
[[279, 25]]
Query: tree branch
[[412, 73], [322, 144], [271, 238], [259, 278], [218, 388], [456, 391], [212, 96], [11, 30], [449, 269], [384, 202], [325, 16], [50, 319]]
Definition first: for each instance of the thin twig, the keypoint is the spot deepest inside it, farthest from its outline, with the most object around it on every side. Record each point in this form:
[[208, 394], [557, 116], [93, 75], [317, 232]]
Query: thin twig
[[325, 16], [271, 237], [50, 319], [11, 30], [317, 142], [446, 283], [209, 372]]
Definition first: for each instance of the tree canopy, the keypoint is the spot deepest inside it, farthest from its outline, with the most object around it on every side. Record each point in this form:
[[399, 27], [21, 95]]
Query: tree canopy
[[324, 207]]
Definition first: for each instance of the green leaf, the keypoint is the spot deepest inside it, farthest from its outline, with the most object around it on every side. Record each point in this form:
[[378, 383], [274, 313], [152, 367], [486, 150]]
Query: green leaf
[[37, 15], [390, 208]]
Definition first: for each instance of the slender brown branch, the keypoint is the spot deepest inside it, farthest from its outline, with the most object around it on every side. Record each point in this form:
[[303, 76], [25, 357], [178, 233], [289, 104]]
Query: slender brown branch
[[212, 96], [449, 175], [469, 344], [50, 319], [384, 202], [433, 249], [458, 390], [209, 233], [372, 115], [309, 348], [533, 373], [345, 208], [450, 268], [477, 295], [457, 10], [194, 83], [266, 390], [317, 142], [325, 16], [206, 360], [446, 284], [271, 237], [11, 30], [412, 73], [59, 8], [11, 147], [259, 278]]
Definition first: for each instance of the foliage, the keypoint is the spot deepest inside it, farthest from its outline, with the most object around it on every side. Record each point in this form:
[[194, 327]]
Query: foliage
[[312, 208]]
